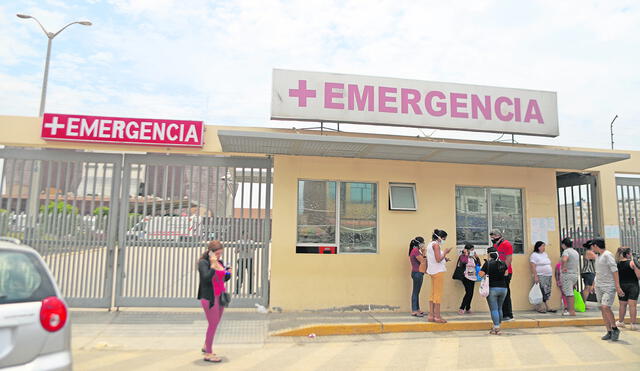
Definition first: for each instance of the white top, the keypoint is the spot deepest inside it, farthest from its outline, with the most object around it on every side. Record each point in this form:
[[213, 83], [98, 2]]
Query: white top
[[542, 263], [434, 267]]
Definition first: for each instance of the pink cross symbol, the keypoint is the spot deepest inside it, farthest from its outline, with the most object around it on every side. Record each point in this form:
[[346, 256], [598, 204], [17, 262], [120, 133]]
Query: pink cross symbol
[[302, 93]]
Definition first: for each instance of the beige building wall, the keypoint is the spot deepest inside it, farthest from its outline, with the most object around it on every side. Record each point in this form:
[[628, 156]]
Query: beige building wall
[[313, 281]]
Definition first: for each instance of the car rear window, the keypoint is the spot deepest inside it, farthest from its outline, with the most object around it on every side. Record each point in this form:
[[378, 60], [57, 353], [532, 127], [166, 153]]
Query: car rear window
[[23, 278]]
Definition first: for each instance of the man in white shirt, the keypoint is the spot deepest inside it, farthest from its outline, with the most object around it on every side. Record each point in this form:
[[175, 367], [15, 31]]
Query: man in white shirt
[[607, 286]]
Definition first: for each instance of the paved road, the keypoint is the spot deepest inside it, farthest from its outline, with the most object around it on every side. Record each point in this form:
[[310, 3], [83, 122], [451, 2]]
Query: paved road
[[549, 348]]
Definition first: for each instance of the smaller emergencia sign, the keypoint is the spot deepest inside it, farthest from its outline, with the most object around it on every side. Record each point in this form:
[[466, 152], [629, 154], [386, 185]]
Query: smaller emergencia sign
[[330, 97], [121, 130]]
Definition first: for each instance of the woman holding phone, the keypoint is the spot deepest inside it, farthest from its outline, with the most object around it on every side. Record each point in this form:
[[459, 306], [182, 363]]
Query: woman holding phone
[[213, 275]]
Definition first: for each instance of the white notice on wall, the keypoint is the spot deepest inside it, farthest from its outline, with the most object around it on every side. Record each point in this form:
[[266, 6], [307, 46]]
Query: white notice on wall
[[540, 227], [611, 231]]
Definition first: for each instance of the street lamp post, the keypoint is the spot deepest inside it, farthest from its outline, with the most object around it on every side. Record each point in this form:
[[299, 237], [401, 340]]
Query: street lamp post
[[34, 195], [50, 37]]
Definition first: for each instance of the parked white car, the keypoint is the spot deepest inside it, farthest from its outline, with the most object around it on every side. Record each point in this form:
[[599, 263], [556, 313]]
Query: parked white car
[[35, 332], [167, 228]]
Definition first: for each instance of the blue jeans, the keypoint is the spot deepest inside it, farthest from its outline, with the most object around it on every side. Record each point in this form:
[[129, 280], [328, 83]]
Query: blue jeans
[[496, 300], [417, 278]]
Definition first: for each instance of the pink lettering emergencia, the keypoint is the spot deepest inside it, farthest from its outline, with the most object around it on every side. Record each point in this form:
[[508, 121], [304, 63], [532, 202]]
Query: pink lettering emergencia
[[533, 112], [410, 97], [517, 110], [478, 106], [441, 105], [356, 98], [498, 109], [383, 99], [330, 94], [456, 105]]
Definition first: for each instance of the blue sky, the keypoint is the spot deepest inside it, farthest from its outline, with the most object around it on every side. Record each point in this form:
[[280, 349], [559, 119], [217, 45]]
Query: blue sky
[[212, 60]]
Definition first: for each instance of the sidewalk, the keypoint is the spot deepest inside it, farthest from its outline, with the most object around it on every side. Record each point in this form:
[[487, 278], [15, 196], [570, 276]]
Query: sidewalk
[[162, 328]]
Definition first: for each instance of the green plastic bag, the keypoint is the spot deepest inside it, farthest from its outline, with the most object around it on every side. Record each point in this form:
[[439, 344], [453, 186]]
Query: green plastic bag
[[578, 302]]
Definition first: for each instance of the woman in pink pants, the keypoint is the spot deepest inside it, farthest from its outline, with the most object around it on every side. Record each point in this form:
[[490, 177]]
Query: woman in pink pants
[[213, 275]]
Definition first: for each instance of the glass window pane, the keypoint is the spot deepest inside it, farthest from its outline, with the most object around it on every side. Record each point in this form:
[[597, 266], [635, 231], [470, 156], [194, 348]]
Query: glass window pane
[[472, 224], [506, 212], [358, 218], [402, 197], [316, 212]]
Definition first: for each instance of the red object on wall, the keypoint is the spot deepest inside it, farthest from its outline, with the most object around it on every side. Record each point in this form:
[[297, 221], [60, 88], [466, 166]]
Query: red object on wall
[[326, 250]]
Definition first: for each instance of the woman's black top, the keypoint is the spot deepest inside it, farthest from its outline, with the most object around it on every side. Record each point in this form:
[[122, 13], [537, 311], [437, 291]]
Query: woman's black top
[[626, 273], [205, 289], [495, 270]]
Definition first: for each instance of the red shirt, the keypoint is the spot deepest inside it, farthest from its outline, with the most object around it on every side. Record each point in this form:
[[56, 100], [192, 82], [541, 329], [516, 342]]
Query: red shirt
[[504, 249]]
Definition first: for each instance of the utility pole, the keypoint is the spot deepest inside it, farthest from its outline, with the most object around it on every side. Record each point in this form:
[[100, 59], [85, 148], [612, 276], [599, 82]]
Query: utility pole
[[611, 128]]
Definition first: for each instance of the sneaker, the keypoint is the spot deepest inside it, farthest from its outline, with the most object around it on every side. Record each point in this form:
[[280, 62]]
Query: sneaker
[[615, 334], [461, 311], [620, 324], [633, 327], [565, 312], [607, 336], [507, 319]]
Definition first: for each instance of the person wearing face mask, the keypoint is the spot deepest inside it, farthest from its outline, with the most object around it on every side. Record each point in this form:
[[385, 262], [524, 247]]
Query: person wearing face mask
[[505, 253], [436, 268], [466, 273], [496, 269]]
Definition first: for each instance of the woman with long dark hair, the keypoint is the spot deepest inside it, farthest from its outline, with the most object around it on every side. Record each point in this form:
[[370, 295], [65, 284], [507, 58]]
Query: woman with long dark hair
[[418, 267], [496, 269], [213, 275], [436, 268]]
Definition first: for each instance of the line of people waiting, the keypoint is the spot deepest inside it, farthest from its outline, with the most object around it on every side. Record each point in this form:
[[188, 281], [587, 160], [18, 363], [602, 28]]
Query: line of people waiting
[[602, 275]]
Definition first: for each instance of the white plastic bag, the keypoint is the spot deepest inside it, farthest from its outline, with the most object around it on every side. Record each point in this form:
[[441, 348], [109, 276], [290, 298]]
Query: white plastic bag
[[535, 294], [484, 287]]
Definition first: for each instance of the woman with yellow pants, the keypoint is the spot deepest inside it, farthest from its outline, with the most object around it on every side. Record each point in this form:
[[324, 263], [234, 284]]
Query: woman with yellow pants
[[436, 268]]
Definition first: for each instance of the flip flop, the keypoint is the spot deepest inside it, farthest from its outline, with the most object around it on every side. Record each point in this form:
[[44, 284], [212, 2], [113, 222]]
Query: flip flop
[[213, 359], [439, 320], [417, 315]]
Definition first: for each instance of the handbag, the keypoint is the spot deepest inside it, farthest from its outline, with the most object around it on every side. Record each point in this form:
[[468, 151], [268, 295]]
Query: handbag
[[458, 273], [225, 299]]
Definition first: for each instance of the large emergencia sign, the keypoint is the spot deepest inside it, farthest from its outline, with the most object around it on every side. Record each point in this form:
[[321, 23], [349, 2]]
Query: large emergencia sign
[[121, 130], [329, 97]]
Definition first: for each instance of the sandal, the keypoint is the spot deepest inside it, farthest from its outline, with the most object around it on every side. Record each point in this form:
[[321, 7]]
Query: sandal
[[541, 311], [440, 320], [430, 319], [213, 359], [417, 315]]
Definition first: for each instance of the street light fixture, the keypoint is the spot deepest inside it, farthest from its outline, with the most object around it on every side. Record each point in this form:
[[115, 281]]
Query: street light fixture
[[34, 194], [50, 37]]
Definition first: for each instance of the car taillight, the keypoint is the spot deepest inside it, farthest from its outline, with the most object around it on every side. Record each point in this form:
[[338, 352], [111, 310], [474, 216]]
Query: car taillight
[[53, 314]]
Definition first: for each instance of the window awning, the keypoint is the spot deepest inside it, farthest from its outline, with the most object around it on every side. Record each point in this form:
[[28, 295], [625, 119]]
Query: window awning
[[273, 143]]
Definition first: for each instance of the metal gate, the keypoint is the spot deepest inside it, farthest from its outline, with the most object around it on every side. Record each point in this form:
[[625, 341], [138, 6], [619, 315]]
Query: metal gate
[[578, 210], [60, 203], [152, 214], [171, 207], [628, 190]]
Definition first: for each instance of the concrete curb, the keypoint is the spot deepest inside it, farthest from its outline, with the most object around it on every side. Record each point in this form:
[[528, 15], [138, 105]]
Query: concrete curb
[[383, 328]]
